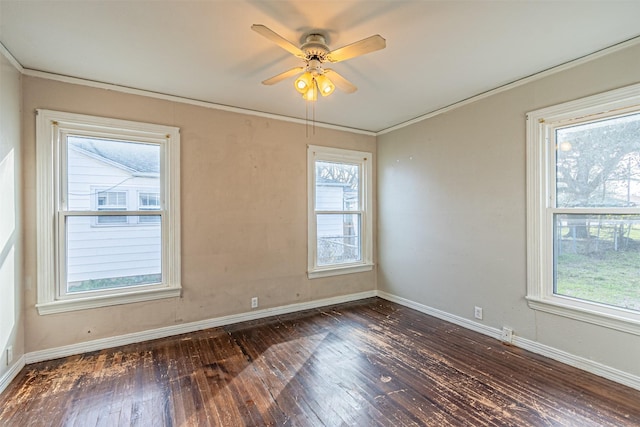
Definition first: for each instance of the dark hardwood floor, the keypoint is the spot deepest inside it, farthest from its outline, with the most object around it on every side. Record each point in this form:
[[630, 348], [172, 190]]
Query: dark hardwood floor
[[366, 363]]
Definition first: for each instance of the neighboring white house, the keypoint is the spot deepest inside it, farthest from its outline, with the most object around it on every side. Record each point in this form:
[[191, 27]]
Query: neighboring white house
[[337, 234], [112, 176]]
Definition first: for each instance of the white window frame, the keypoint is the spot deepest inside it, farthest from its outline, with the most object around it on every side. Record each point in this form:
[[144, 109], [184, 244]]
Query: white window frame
[[51, 127], [364, 161], [541, 147]]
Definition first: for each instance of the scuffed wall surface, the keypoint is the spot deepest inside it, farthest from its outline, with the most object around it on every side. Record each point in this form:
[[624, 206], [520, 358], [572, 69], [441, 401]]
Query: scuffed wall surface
[[244, 217], [451, 197]]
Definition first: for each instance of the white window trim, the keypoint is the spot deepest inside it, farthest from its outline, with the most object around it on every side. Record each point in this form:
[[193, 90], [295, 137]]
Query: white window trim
[[365, 160], [49, 126], [540, 181]]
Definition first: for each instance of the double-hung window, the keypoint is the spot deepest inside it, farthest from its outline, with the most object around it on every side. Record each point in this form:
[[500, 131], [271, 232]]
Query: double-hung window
[[583, 215], [108, 211], [340, 208]]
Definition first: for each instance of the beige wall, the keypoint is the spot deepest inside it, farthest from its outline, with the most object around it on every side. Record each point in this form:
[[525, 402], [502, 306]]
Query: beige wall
[[451, 197], [244, 214], [11, 281], [451, 194]]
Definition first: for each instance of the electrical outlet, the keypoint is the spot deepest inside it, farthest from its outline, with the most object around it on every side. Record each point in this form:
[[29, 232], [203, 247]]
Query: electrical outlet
[[507, 335], [477, 313], [9, 355], [254, 302]]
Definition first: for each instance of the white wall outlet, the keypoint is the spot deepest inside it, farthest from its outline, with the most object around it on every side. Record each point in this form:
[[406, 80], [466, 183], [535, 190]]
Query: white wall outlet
[[9, 355], [254, 302], [507, 335], [477, 312]]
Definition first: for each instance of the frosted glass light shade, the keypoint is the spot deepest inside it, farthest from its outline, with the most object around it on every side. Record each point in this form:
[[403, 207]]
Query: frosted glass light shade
[[325, 85], [304, 82], [312, 93]]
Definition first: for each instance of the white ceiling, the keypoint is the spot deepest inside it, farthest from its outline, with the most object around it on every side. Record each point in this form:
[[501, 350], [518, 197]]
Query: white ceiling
[[438, 52]]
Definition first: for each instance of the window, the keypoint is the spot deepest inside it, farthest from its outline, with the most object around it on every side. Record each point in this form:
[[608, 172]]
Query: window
[[340, 206], [112, 201], [96, 247], [149, 202], [583, 219]]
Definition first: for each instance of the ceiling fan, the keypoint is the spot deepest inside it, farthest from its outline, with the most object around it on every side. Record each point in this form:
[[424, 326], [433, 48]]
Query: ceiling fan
[[314, 52]]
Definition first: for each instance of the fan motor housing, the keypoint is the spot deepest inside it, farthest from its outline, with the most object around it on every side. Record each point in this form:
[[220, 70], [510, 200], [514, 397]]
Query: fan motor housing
[[315, 47]]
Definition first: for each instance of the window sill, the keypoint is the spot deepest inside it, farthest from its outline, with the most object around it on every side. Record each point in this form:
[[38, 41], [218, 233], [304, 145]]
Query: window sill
[[61, 306], [336, 271], [608, 317]]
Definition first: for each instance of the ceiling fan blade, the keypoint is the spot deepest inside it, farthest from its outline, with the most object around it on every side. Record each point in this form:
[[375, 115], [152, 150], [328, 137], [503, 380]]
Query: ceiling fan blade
[[278, 78], [340, 82], [277, 39], [370, 44]]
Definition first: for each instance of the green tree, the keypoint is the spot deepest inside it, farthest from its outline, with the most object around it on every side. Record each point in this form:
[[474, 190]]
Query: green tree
[[339, 173], [596, 165]]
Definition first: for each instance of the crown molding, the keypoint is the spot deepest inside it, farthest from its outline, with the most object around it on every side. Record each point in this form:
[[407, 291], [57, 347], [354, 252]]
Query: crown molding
[[5, 52], [173, 98], [157, 95], [520, 82]]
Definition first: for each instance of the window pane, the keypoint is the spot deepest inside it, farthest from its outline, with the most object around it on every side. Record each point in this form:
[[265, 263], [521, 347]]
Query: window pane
[[149, 202], [598, 163], [338, 237], [112, 220], [145, 219], [112, 201], [597, 258], [111, 257], [101, 172], [337, 186]]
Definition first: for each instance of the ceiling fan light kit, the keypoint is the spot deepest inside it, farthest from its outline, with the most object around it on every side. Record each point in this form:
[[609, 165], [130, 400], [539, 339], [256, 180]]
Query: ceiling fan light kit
[[311, 82], [311, 94], [325, 85], [314, 52]]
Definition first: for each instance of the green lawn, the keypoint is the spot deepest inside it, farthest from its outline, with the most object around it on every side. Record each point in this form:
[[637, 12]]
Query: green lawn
[[608, 277], [116, 282]]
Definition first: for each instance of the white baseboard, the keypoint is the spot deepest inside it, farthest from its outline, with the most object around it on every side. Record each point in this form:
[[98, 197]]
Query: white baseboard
[[13, 371], [591, 366], [103, 343], [596, 368], [460, 321]]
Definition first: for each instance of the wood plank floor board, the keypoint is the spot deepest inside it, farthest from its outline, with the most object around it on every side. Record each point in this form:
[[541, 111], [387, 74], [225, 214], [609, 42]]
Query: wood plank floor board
[[365, 363], [464, 358]]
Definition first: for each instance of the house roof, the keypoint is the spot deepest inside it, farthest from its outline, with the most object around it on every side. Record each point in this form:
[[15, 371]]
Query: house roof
[[134, 157]]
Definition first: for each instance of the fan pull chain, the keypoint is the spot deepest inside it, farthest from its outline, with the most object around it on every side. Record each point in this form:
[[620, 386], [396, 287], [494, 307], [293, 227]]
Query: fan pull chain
[[313, 117], [306, 118]]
